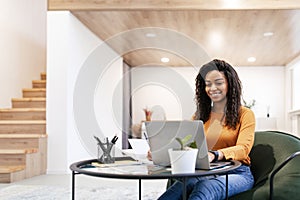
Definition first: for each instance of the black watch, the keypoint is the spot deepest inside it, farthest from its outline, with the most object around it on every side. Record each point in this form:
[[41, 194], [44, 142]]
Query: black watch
[[216, 154]]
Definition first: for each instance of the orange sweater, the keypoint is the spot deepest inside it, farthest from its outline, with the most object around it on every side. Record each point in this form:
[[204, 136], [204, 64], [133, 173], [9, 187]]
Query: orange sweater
[[234, 144]]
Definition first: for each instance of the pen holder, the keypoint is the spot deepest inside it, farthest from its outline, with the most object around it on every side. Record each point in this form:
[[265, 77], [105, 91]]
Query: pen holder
[[106, 152]]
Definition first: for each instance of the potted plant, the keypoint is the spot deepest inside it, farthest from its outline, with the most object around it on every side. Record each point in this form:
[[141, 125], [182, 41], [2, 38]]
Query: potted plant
[[183, 160]]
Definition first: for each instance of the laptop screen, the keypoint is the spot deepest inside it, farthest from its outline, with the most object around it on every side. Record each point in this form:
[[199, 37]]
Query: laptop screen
[[162, 136]]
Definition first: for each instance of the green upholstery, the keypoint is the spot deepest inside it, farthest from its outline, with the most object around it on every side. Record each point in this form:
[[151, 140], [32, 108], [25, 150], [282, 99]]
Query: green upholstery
[[271, 148]]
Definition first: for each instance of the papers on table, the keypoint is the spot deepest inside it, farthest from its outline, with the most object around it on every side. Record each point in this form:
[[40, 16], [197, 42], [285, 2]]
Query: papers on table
[[117, 163], [129, 167]]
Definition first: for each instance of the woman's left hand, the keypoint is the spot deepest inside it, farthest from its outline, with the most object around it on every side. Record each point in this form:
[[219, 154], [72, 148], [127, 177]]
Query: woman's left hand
[[211, 157]]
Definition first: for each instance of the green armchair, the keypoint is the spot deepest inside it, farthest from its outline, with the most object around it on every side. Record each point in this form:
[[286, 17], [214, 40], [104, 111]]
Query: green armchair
[[275, 164]]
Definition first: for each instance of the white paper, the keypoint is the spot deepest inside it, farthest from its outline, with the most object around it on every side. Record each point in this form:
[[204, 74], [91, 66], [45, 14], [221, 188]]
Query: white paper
[[139, 146]]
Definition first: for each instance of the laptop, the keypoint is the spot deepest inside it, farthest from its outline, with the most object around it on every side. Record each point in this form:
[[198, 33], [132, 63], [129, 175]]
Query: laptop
[[161, 136]]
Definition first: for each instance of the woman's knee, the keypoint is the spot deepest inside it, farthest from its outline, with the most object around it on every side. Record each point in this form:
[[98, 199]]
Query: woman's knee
[[209, 190]]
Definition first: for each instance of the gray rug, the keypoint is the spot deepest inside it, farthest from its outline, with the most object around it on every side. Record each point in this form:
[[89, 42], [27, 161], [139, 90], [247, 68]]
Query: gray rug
[[40, 192]]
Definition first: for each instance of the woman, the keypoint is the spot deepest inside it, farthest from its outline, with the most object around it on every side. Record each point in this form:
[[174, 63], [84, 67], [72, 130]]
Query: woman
[[229, 129]]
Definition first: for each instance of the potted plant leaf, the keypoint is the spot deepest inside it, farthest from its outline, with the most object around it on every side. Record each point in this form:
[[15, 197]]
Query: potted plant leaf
[[183, 160]]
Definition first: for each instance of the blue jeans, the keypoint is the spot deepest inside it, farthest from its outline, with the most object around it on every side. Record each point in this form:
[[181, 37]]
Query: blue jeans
[[212, 187]]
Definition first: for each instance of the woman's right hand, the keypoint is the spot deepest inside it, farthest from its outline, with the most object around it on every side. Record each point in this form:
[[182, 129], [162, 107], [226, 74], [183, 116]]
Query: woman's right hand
[[149, 155]]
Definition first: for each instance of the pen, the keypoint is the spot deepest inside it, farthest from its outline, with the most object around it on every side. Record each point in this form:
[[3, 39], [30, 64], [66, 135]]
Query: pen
[[146, 137], [114, 140], [99, 142]]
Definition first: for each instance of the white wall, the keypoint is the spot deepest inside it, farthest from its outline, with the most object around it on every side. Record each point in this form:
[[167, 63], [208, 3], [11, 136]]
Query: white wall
[[72, 47], [264, 84], [267, 86], [296, 87], [57, 92], [22, 46], [169, 92], [293, 96]]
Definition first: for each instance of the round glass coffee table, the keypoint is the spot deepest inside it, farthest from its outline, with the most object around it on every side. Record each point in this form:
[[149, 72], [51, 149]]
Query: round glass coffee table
[[126, 168]]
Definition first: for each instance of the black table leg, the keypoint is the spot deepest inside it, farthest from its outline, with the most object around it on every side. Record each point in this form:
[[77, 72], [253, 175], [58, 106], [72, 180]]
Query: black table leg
[[227, 186], [73, 185], [140, 189], [184, 188]]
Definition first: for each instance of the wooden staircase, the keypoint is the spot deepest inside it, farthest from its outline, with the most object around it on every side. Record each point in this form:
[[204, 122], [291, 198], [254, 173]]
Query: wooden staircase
[[23, 138]]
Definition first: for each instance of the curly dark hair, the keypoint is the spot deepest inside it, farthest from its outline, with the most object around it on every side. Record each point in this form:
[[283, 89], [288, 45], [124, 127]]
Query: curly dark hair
[[204, 104]]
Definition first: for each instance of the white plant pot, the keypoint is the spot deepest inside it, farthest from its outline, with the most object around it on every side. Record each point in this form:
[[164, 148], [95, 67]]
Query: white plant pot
[[183, 161]]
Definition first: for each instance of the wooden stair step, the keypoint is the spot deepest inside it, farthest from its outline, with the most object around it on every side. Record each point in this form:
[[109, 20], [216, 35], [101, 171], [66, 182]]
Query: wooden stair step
[[12, 173], [22, 122], [39, 83], [23, 114], [22, 126], [15, 156], [7, 159], [22, 141], [29, 102], [18, 151], [23, 136], [43, 76], [31, 158], [10, 169], [34, 92]]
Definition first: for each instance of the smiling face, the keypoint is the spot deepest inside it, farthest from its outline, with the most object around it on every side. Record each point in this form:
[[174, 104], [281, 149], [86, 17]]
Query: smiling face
[[216, 86]]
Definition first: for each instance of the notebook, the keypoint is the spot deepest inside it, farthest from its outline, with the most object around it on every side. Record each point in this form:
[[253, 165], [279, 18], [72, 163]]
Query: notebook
[[161, 136]]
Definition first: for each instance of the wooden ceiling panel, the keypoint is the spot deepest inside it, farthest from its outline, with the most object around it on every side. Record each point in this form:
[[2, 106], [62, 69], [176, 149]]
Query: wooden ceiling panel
[[170, 5], [230, 35], [175, 60]]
